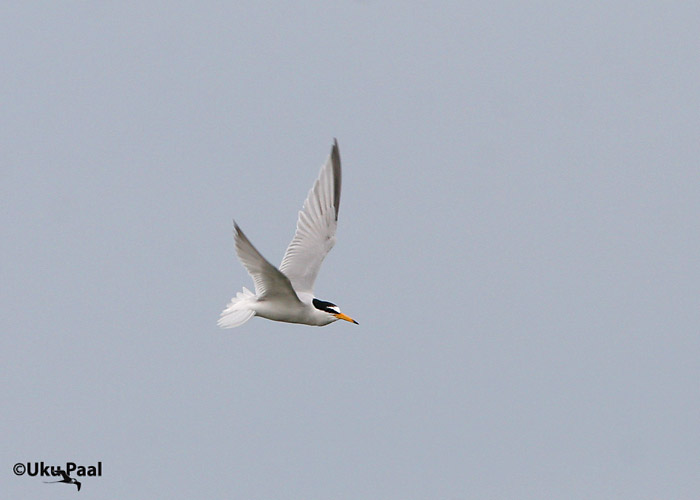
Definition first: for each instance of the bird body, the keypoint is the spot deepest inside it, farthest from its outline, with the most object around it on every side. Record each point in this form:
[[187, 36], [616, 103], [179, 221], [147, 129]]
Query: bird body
[[302, 311], [286, 294]]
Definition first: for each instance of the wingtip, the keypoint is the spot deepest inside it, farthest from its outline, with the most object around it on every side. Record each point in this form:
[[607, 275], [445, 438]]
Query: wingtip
[[335, 161]]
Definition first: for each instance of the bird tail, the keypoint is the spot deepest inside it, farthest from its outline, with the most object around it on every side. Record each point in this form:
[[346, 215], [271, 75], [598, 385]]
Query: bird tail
[[238, 311]]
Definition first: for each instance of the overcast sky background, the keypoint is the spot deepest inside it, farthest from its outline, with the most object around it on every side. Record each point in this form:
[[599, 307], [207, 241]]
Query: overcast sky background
[[518, 240]]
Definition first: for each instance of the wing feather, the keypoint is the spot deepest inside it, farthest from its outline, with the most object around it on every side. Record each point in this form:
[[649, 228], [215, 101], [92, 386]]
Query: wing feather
[[316, 226], [269, 281]]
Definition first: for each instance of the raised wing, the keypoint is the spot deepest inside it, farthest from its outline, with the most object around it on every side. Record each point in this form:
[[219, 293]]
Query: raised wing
[[315, 234], [269, 281]]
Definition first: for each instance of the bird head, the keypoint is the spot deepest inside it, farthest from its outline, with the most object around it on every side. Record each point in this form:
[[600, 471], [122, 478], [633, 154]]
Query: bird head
[[332, 309]]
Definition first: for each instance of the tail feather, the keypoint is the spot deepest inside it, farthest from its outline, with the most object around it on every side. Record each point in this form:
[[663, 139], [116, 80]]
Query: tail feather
[[238, 311]]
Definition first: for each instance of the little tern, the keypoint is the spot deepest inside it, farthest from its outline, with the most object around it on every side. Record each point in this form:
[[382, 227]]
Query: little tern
[[286, 294]]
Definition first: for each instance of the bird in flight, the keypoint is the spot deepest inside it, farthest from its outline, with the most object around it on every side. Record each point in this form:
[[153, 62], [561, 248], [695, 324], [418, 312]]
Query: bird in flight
[[286, 294], [66, 479]]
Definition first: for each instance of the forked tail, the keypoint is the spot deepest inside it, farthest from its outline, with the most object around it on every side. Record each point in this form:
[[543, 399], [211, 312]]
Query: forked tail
[[238, 311]]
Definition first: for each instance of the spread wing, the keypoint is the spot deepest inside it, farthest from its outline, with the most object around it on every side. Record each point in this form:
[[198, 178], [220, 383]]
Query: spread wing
[[315, 234], [269, 281]]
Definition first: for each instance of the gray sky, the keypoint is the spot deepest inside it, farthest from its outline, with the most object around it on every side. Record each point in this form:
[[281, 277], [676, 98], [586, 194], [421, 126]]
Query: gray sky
[[518, 239]]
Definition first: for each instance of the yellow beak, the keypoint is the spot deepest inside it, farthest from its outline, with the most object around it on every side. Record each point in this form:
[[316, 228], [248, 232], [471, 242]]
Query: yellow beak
[[346, 318]]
